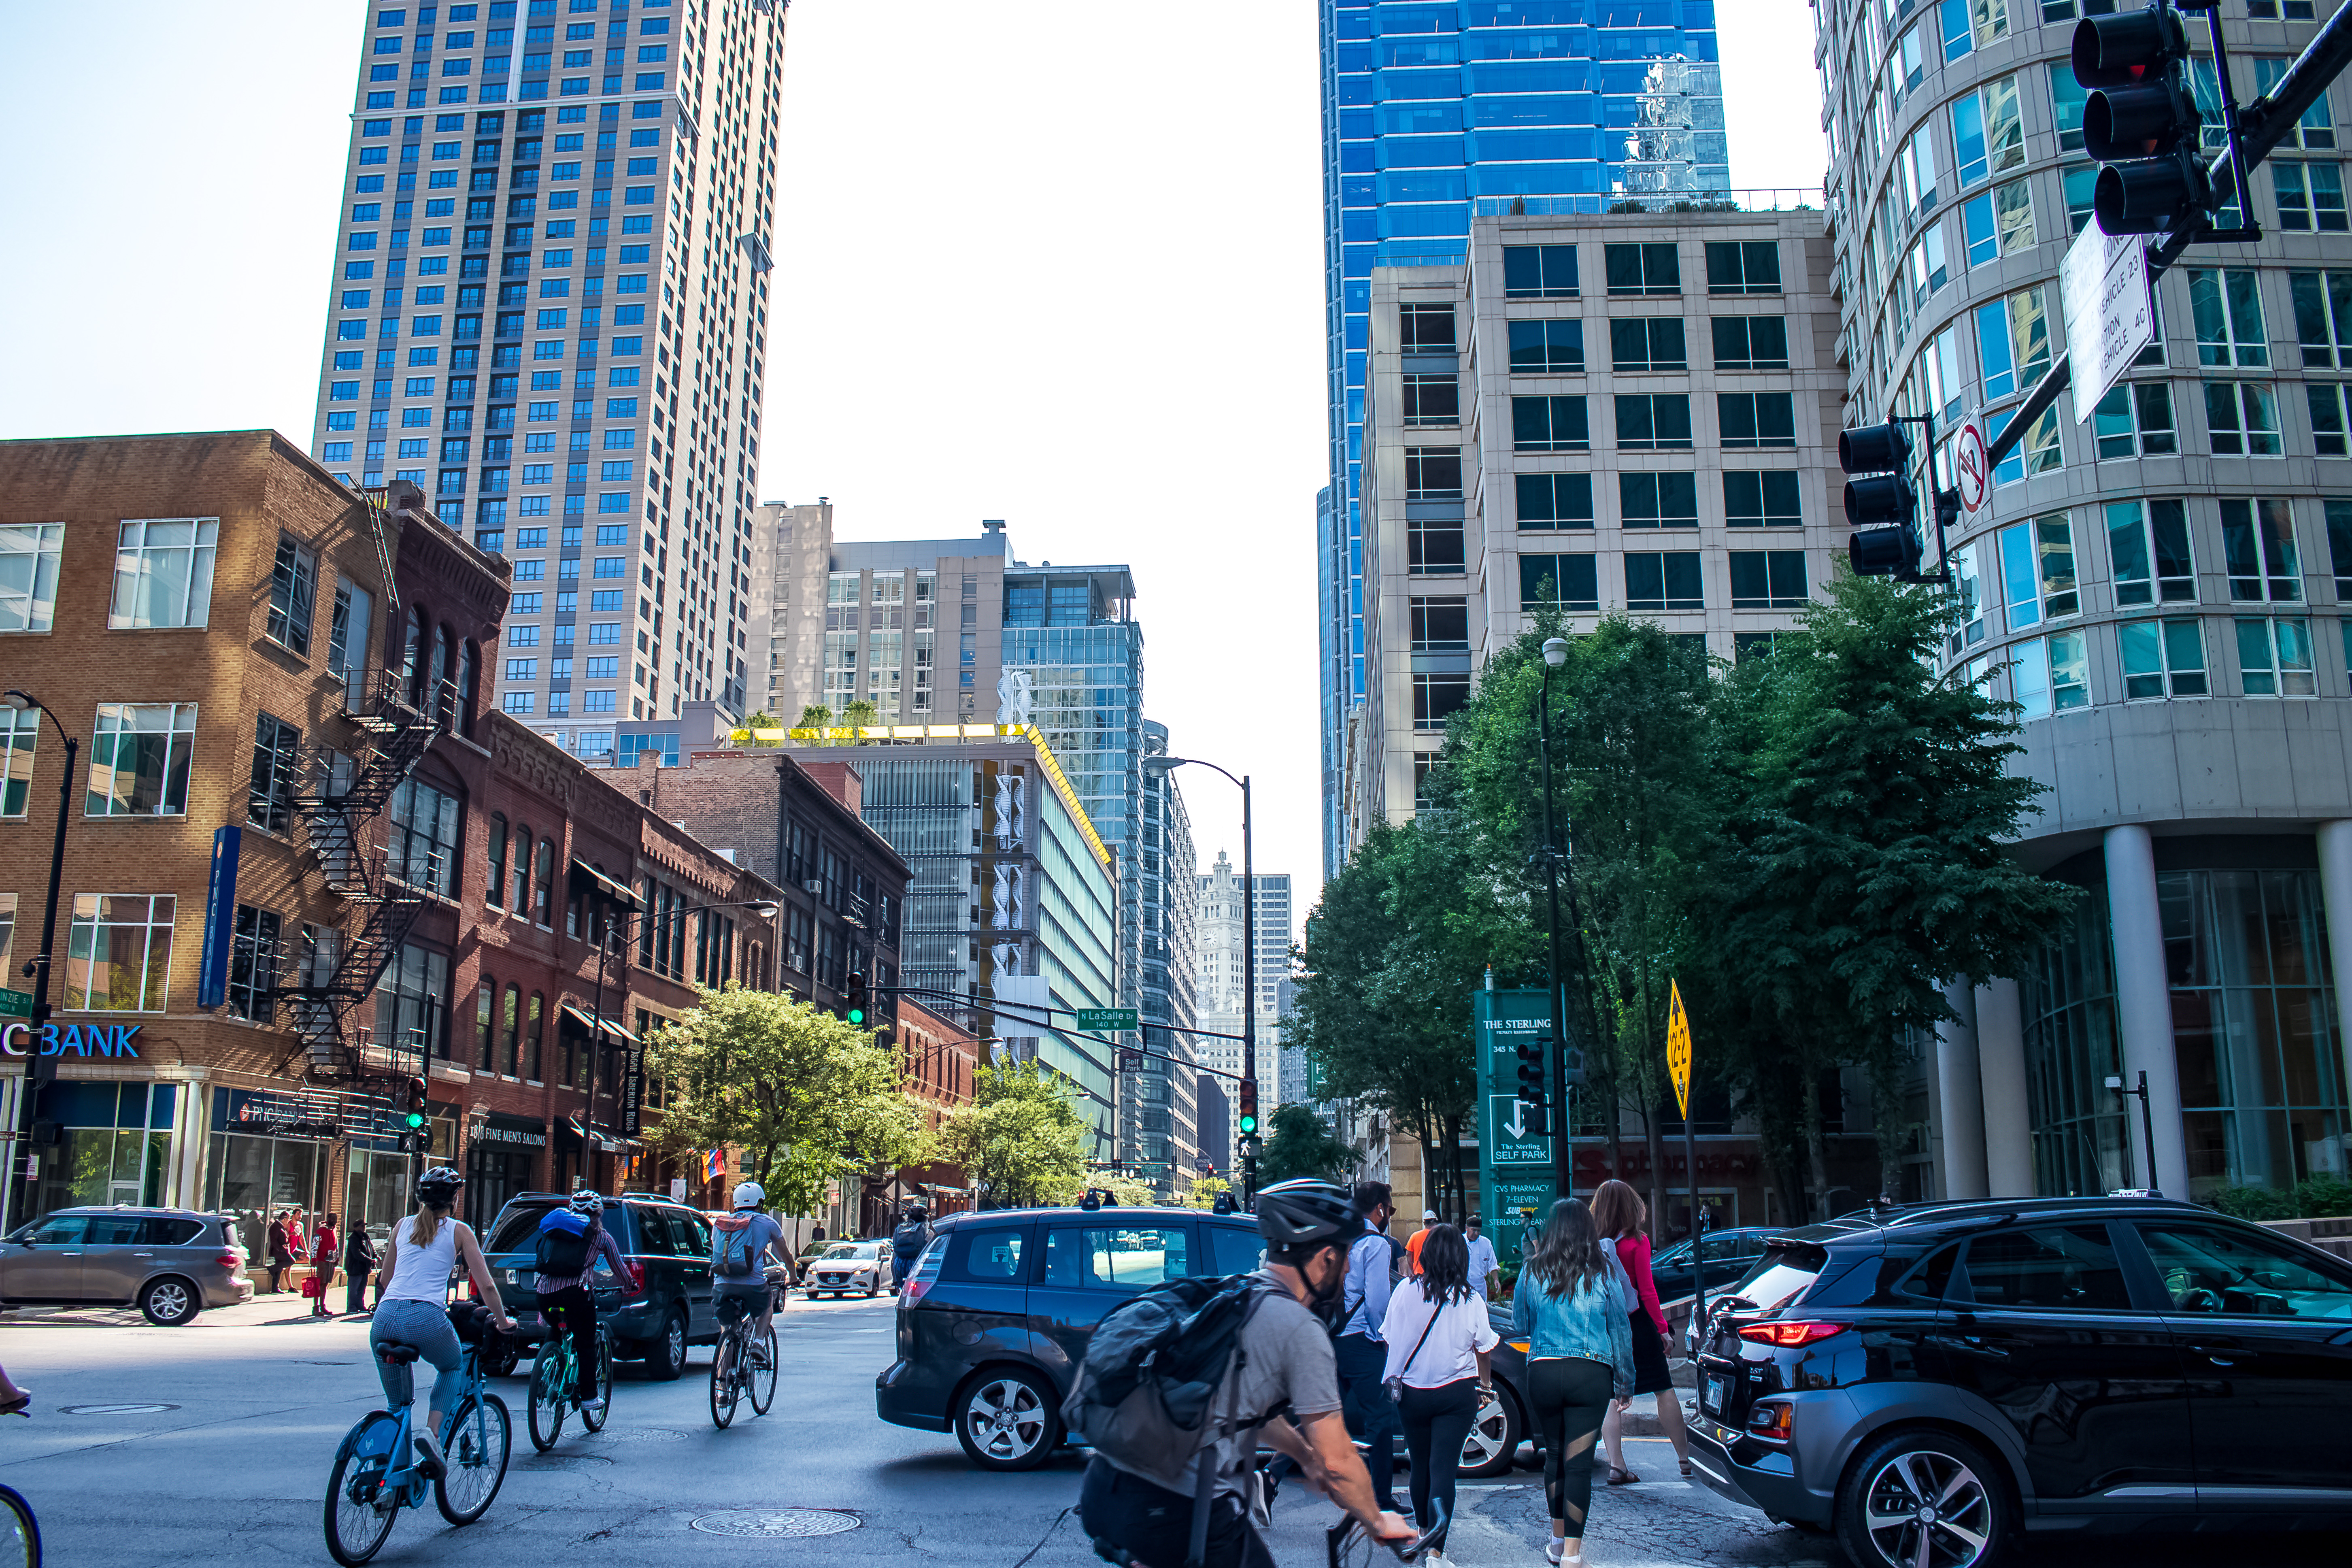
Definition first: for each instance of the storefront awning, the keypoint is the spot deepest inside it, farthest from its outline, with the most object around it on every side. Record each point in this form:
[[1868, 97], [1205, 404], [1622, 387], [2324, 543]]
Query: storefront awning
[[588, 881], [586, 1022], [608, 1143]]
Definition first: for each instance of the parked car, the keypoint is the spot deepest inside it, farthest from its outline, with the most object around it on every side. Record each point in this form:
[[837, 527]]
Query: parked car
[[668, 1242], [170, 1263], [847, 1265], [1930, 1383], [994, 1321], [1727, 1255]]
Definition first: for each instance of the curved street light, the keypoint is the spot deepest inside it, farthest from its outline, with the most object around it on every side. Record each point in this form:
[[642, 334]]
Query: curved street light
[[40, 1069]]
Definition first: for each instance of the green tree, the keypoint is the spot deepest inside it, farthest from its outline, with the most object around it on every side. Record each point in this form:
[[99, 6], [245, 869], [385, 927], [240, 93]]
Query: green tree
[[815, 716], [1299, 1143], [749, 734], [856, 718], [1129, 1192], [809, 1098], [1204, 1192], [1020, 1142]]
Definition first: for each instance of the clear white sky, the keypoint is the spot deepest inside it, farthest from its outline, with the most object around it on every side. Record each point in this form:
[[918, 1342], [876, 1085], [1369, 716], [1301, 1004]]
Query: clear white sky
[[1056, 261]]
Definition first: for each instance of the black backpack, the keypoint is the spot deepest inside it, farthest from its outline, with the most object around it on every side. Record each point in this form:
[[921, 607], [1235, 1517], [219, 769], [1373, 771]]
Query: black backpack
[[564, 1245]]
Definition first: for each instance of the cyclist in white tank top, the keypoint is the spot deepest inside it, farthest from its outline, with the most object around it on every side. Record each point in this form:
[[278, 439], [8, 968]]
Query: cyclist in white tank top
[[412, 1310]]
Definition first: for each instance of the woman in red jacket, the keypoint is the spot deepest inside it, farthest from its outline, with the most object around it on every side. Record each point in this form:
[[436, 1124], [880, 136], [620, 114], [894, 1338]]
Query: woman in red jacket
[[1619, 1214]]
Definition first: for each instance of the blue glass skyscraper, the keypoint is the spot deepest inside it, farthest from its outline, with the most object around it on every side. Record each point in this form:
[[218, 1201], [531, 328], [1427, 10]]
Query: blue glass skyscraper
[[1429, 110]]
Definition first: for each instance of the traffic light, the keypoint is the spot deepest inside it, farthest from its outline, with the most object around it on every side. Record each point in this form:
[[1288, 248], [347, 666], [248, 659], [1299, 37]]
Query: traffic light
[[2141, 122], [1571, 1068], [1880, 501], [854, 996], [1531, 1085], [1249, 1108], [415, 1119]]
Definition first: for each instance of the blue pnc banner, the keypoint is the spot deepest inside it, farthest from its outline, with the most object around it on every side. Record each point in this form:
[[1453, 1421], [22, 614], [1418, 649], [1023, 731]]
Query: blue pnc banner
[[220, 918]]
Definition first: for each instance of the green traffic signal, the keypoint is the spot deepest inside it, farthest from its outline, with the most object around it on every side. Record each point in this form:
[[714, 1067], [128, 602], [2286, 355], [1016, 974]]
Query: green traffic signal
[[1249, 1125], [858, 1015], [415, 1120]]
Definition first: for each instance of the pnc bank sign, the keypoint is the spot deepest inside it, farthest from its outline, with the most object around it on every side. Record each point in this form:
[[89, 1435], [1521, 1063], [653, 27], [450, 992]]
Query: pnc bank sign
[[74, 1040]]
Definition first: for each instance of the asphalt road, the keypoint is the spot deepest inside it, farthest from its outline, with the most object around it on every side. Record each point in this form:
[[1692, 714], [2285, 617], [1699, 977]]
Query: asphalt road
[[236, 1468]]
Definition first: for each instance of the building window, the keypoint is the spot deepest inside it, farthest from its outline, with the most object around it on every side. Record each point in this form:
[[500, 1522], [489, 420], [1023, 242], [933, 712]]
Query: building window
[[1554, 500], [1743, 266], [2162, 658], [119, 953], [1563, 582], [2148, 546], [347, 635], [1658, 501], [2310, 196], [163, 572], [1643, 270], [29, 553], [20, 733], [494, 888], [1662, 580], [1647, 422], [2081, 186], [2258, 551], [1756, 420], [2013, 342], [2274, 658], [1547, 348], [2323, 318], [1441, 626], [485, 1002], [2325, 400], [1989, 130], [1435, 698], [1645, 344], [1549, 424], [1767, 579], [1761, 500], [1431, 473], [542, 893], [1999, 223], [2135, 419], [421, 844], [1432, 400], [2229, 316], [2339, 547], [1539, 272], [1746, 646], [140, 758], [2037, 570], [1426, 329], [1750, 343], [293, 593], [412, 1005], [277, 762], [253, 964], [1435, 545], [2050, 674]]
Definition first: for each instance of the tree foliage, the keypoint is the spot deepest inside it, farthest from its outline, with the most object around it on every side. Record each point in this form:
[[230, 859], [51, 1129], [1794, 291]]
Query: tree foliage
[[806, 1097], [1299, 1143], [1020, 1140], [1204, 1192]]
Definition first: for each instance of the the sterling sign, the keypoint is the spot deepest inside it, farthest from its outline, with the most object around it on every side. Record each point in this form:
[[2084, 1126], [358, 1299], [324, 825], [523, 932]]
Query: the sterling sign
[[79, 1039]]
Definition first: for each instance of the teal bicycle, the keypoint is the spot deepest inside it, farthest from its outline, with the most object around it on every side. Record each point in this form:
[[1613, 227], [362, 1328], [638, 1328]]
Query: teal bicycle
[[555, 1378], [376, 1473]]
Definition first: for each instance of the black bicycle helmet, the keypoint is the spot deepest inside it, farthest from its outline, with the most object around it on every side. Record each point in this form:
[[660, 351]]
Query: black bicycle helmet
[[1294, 1214], [437, 1188]]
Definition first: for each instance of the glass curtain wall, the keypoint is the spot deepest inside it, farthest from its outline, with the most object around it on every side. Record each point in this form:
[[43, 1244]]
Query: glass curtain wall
[[2071, 1045]]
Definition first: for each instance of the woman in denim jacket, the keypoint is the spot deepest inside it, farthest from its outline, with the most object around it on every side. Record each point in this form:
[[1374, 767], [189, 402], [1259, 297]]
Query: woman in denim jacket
[[1579, 1356]]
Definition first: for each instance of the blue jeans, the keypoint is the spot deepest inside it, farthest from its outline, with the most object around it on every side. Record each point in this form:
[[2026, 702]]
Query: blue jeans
[[1372, 1415], [425, 1325]]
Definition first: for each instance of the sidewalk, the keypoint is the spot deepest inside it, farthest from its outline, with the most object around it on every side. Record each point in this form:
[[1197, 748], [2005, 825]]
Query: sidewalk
[[284, 1309]]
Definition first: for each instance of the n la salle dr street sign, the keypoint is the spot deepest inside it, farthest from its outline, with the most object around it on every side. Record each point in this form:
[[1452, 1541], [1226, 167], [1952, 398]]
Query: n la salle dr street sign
[[1099, 1020]]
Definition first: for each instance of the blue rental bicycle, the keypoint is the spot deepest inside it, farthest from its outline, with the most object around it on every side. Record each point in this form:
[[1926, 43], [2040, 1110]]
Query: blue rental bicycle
[[376, 1472]]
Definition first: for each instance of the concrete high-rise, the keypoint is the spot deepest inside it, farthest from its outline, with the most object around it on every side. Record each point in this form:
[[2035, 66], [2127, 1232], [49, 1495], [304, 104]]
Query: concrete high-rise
[[548, 309], [1223, 949], [1431, 111]]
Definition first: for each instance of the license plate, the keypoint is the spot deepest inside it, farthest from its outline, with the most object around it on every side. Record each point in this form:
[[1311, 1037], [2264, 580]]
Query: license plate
[[1716, 1397]]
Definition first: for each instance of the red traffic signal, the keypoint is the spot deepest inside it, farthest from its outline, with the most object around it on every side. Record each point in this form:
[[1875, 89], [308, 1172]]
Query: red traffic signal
[[2141, 122]]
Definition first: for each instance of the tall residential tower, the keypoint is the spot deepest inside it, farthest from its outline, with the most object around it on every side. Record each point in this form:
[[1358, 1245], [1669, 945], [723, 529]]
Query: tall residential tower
[[548, 309]]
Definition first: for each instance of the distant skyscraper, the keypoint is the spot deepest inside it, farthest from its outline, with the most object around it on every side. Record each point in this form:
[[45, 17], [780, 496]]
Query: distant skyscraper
[[1430, 110], [549, 310], [1222, 956]]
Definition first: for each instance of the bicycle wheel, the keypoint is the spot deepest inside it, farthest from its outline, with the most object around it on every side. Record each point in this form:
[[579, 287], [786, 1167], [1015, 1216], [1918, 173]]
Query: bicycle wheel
[[20, 1537], [595, 1416], [726, 1384], [478, 1458], [551, 1391], [359, 1511], [762, 1374]]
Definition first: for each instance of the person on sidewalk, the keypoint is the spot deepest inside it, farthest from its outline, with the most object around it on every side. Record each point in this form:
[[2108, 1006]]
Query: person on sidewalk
[[1486, 1271], [1619, 1214], [359, 1262], [1363, 1303], [281, 1252], [1579, 1356], [1412, 1243], [323, 1270], [297, 1238], [1438, 1337]]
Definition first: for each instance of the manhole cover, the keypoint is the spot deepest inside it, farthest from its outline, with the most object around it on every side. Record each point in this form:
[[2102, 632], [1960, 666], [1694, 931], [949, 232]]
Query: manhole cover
[[776, 1522], [325, 1364], [114, 1409], [642, 1435]]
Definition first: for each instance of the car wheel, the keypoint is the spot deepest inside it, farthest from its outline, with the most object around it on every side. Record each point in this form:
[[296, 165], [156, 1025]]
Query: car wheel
[[1924, 1497], [1007, 1419], [665, 1353], [873, 1289], [170, 1302], [1495, 1437]]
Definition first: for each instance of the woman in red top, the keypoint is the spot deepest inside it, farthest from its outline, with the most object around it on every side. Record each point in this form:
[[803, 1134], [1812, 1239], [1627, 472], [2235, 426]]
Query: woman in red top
[[1619, 1214]]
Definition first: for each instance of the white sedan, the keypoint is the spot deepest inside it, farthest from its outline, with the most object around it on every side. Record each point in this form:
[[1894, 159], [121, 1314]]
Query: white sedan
[[847, 1265]]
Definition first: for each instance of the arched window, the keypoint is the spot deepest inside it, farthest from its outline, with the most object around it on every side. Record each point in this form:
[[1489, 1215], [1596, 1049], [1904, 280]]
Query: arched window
[[412, 660], [495, 890], [542, 908], [482, 1000], [509, 1023], [438, 691], [536, 1034], [468, 680], [520, 902]]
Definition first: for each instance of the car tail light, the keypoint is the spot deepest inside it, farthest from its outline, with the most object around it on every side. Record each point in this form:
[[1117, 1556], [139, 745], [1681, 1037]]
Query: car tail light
[[231, 1261], [912, 1290], [1789, 1335], [1774, 1419]]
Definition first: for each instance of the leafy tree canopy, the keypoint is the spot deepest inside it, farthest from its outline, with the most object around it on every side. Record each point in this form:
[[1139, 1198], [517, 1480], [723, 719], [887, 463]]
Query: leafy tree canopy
[[1020, 1140]]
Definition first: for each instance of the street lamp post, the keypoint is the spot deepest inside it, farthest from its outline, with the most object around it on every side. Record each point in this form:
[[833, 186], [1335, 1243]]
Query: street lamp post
[[1249, 939], [39, 1069], [1555, 654]]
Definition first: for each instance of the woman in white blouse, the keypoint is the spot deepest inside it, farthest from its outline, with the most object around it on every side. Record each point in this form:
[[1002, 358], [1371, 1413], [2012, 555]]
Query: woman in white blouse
[[1438, 1338]]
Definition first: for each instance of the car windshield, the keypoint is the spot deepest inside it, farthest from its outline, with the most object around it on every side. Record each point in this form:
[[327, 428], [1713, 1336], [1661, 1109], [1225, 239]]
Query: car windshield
[[1781, 1279], [849, 1249], [515, 1227]]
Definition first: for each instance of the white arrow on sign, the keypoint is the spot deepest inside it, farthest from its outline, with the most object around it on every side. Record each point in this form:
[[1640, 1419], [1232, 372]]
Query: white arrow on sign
[[1516, 1126]]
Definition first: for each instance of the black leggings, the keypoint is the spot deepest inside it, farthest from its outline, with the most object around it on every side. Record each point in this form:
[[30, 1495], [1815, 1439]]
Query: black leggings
[[1437, 1422], [577, 1309], [1571, 1396]]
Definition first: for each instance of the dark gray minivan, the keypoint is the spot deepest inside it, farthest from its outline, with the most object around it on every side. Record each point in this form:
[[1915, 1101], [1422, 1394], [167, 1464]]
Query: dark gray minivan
[[994, 1319], [669, 1242]]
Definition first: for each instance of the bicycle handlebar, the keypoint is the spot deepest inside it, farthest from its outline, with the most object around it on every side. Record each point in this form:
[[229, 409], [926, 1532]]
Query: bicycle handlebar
[[1339, 1536]]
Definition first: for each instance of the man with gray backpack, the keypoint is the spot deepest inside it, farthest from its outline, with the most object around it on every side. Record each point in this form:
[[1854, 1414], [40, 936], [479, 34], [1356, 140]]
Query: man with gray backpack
[[1182, 1384]]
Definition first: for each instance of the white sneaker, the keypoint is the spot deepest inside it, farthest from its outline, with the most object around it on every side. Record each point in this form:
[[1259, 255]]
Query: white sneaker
[[429, 1459]]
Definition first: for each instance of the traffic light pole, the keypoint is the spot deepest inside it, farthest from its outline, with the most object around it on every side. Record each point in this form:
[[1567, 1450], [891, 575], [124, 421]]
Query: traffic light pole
[[1563, 1172]]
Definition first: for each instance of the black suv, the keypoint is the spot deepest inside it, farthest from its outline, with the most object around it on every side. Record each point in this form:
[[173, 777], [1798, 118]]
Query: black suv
[[669, 1242], [1928, 1382], [994, 1318]]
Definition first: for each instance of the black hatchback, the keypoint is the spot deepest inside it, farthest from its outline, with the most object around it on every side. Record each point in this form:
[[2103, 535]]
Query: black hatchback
[[1931, 1383], [994, 1321], [668, 1242]]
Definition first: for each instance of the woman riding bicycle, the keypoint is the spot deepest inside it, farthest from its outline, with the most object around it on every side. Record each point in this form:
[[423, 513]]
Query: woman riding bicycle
[[566, 1299], [740, 1248], [411, 1304]]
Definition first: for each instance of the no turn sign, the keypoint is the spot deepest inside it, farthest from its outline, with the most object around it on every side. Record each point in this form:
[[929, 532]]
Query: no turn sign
[[1970, 468]]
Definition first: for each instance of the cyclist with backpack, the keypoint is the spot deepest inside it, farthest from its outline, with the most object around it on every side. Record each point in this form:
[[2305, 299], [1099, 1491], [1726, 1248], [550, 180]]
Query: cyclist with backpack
[[572, 1241], [907, 1242], [1185, 1383], [739, 1247]]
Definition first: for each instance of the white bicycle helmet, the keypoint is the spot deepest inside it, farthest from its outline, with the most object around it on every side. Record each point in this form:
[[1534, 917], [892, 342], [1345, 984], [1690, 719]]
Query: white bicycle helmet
[[751, 1196], [588, 1202]]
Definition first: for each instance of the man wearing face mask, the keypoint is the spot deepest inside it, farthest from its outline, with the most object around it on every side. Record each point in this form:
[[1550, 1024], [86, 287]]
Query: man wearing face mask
[[1286, 1378]]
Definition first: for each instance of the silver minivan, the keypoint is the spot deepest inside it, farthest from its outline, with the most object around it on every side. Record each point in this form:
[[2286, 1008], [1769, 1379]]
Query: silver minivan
[[169, 1263]]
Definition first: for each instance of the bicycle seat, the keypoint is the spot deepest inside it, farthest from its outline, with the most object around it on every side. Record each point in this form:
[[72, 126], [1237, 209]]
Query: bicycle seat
[[398, 1355]]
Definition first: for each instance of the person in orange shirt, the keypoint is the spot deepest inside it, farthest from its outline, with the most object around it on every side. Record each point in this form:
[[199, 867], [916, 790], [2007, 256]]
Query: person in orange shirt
[[1412, 1243]]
